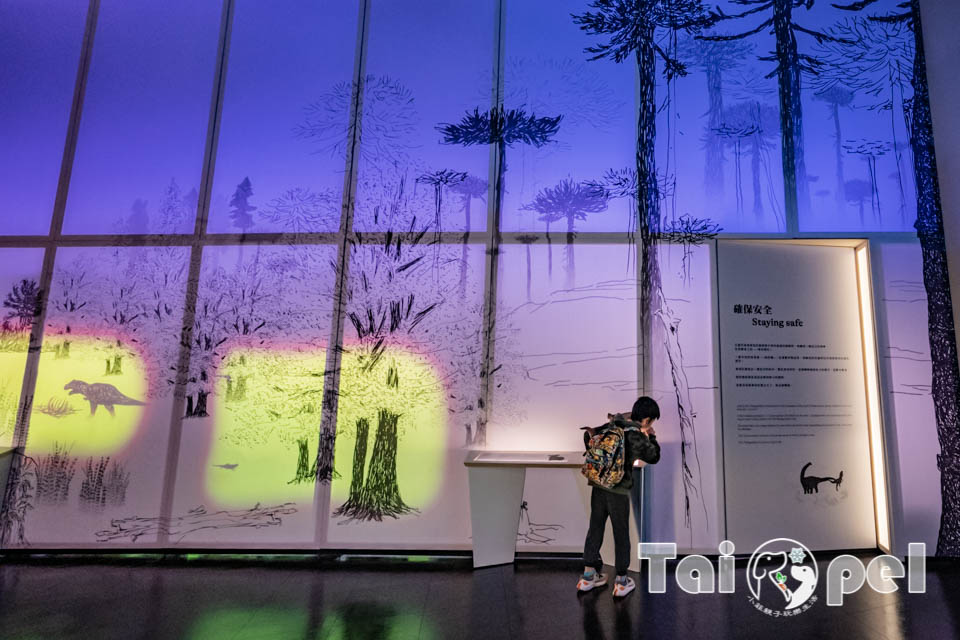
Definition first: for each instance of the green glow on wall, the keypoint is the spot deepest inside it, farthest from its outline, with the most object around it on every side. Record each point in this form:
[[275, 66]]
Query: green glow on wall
[[59, 417], [258, 429]]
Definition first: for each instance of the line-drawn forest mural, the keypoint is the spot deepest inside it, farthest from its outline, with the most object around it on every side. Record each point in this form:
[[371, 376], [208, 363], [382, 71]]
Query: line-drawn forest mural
[[288, 286]]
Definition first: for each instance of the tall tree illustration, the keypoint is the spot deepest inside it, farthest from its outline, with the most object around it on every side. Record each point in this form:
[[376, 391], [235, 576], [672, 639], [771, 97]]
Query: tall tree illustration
[[778, 17], [526, 240], [869, 150], [713, 58], [857, 192], [689, 232], [632, 28], [241, 211], [22, 303], [139, 219], [622, 184], [71, 297], [737, 126], [501, 128], [929, 224], [387, 309], [378, 149], [470, 188], [231, 313], [766, 125], [176, 211], [440, 180], [571, 201], [872, 61], [836, 97], [120, 309]]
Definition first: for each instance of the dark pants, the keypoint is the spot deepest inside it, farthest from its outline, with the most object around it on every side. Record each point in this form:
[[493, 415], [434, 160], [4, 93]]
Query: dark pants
[[605, 503]]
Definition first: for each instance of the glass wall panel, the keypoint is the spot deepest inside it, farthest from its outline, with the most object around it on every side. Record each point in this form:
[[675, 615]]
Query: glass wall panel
[[141, 140], [547, 75], [408, 396], [567, 356], [34, 124], [429, 62], [256, 386], [101, 413], [19, 275], [285, 117]]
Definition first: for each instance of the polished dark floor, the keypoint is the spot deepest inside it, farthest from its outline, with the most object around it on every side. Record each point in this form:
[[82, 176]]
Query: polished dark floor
[[364, 598]]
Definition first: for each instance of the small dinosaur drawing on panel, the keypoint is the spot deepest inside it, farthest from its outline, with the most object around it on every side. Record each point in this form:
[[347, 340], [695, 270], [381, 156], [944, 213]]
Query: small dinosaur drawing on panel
[[100, 394], [811, 483]]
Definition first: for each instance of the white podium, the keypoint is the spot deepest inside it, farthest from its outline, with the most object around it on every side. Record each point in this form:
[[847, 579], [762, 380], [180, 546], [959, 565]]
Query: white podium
[[496, 492]]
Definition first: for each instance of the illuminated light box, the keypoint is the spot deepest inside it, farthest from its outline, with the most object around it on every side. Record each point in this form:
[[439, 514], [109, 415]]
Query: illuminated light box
[[266, 418], [91, 393]]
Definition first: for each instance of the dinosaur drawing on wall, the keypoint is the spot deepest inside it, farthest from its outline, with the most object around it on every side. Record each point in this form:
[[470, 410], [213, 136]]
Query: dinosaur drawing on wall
[[811, 483], [100, 394]]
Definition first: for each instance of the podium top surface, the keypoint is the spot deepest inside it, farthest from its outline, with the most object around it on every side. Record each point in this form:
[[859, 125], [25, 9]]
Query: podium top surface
[[487, 458]]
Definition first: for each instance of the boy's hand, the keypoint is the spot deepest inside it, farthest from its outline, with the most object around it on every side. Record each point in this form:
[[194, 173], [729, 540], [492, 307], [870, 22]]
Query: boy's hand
[[648, 431]]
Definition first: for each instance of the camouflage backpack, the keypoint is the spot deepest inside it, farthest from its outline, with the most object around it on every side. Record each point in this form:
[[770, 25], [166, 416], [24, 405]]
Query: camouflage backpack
[[603, 461]]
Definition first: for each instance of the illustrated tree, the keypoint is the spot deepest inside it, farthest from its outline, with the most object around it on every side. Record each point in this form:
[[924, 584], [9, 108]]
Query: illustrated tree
[[241, 211], [570, 201], [73, 294], [501, 128], [139, 219], [622, 184], [389, 118], [440, 180], [470, 188], [737, 126], [120, 309], [857, 192], [779, 18], [232, 312], [22, 303], [871, 61], [929, 225], [632, 28], [869, 150], [387, 306], [526, 240], [713, 58], [836, 96], [300, 210]]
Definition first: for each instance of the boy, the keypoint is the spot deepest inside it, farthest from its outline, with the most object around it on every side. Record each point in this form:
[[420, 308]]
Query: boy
[[640, 442]]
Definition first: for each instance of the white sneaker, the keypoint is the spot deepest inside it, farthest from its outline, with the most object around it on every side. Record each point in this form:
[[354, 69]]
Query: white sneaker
[[621, 589], [586, 583]]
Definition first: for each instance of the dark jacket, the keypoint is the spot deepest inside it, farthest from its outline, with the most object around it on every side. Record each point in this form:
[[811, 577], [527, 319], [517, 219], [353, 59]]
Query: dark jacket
[[638, 447]]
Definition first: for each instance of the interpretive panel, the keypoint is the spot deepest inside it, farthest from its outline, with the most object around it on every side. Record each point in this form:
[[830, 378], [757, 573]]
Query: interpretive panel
[[795, 433]]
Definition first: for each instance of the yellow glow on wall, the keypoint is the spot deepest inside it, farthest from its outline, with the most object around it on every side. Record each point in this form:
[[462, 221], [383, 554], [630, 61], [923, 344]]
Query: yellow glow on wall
[[254, 450], [65, 418], [13, 359], [874, 417]]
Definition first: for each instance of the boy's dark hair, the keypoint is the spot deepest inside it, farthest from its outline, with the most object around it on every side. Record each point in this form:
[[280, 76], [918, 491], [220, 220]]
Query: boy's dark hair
[[645, 407]]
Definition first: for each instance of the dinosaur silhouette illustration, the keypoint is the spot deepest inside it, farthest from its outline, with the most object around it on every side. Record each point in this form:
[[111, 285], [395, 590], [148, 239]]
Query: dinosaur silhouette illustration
[[100, 394], [811, 483]]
